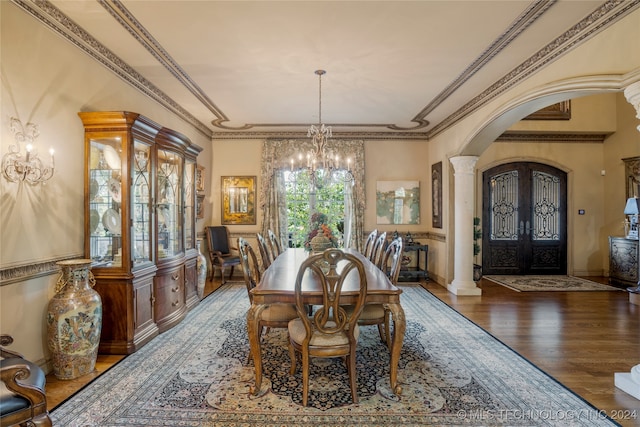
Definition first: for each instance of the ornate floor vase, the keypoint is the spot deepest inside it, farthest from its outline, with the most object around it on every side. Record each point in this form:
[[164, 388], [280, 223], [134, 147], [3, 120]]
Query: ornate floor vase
[[201, 265], [74, 321]]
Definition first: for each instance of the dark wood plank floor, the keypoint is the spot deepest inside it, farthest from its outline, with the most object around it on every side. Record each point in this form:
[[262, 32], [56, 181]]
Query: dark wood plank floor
[[579, 338]]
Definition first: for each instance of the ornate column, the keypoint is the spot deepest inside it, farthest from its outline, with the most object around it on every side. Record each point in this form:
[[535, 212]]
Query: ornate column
[[632, 93], [629, 382], [464, 184]]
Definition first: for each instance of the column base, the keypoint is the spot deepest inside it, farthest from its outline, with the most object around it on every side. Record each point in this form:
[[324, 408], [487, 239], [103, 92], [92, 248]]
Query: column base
[[629, 382], [467, 288]]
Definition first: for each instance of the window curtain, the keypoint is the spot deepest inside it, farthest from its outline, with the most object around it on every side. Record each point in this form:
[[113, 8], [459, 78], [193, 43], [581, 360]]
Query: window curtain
[[276, 157]]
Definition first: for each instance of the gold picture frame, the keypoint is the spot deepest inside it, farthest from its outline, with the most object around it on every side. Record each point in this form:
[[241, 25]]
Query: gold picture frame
[[238, 200]]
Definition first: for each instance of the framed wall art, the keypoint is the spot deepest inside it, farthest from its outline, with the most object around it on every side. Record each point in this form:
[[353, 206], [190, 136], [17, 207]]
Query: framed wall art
[[436, 195], [238, 200], [398, 202], [200, 206], [200, 179]]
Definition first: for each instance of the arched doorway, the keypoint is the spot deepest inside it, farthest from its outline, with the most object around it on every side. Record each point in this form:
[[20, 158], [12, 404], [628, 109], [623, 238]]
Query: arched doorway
[[524, 219]]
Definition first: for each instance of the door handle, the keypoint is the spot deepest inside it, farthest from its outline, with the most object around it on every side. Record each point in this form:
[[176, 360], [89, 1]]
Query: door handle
[[521, 228], [528, 228]]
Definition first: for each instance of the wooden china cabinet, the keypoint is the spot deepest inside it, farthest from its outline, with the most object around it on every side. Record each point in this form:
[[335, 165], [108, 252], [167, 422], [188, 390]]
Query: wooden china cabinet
[[139, 225]]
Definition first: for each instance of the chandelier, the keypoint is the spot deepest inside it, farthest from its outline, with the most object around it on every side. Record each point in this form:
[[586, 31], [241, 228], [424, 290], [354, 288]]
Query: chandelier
[[27, 167], [321, 163]]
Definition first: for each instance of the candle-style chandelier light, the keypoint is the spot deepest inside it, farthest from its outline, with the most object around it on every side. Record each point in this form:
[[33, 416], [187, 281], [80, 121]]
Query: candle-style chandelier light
[[322, 163], [27, 167]]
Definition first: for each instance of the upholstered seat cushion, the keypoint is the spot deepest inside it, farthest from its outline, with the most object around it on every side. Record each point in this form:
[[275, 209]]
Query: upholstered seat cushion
[[369, 312], [279, 313], [298, 333], [9, 401]]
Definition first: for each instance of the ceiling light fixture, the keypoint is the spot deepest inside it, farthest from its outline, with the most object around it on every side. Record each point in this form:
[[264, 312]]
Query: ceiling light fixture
[[321, 162]]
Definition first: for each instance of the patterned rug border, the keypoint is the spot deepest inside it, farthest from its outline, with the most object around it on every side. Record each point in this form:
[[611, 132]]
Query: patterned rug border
[[541, 283], [115, 401]]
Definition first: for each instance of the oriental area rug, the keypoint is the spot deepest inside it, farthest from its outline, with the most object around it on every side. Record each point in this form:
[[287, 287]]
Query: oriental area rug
[[198, 374], [549, 283]]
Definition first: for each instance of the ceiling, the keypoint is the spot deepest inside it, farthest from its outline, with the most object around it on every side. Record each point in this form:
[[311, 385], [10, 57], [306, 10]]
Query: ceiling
[[394, 69]]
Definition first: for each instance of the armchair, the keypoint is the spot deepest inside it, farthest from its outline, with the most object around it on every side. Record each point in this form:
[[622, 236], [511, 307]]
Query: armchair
[[22, 397], [220, 251]]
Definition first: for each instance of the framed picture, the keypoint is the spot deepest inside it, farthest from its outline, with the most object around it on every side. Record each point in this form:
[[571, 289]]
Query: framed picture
[[436, 195], [199, 179], [398, 202], [238, 200], [200, 206], [559, 111]]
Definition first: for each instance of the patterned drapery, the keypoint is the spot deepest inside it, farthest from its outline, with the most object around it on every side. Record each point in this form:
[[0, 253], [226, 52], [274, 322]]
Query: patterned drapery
[[276, 156]]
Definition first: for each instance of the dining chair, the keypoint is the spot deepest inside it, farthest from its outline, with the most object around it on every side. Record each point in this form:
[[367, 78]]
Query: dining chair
[[220, 251], [330, 332], [377, 314], [274, 315], [265, 254], [276, 248], [378, 249], [367, 249], [23, 400]]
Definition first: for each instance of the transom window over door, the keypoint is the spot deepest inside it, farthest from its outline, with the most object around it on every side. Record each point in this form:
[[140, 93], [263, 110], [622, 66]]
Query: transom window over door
[[525, 220]]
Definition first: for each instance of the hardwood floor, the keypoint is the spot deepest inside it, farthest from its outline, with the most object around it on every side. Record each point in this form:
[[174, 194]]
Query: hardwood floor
[[579, 338]]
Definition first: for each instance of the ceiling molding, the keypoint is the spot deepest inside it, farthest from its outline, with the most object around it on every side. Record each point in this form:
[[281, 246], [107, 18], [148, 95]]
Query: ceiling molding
[[48, 14], [53, 18], [522, 136], [420, 136], [597, 21]]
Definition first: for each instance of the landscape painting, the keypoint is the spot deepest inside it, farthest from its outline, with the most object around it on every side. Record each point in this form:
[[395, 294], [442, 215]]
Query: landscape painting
[[398, 202]]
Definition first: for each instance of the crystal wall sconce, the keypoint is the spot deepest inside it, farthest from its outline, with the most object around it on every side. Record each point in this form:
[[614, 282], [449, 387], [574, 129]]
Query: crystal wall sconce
[[27, 167]]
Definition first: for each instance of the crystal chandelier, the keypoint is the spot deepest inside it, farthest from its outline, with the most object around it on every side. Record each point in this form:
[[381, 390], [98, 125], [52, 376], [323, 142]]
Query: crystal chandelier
[[18, 167], [321, 163]]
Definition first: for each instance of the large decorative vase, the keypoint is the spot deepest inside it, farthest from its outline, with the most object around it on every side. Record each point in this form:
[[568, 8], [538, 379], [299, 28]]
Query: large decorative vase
[[74, 321], [320, 243], [201, 265]]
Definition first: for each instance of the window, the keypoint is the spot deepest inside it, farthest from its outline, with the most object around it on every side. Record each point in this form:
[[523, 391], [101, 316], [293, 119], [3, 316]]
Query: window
[[303, 199]]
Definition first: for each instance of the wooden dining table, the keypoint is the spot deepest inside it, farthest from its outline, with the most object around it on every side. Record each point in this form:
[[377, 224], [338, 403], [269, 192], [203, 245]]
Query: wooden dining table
[[277, 286]]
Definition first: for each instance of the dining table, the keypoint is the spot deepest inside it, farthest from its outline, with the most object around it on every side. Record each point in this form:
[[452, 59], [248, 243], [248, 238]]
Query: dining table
[[277, 285]]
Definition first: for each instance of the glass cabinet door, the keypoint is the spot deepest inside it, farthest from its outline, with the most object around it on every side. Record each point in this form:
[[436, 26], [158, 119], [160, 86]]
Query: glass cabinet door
[[141, 203], [169, 204], [189, 204], [105, 198]]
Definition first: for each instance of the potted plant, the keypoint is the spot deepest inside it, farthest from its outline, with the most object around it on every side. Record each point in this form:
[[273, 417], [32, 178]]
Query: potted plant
[[477, 235]]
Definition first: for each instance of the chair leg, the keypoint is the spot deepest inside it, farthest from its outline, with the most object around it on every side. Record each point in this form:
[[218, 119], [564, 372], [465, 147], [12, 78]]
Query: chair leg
[[222, 275], [352, 376], [387, 329], [305, 378], [292, 356], [231, 274]]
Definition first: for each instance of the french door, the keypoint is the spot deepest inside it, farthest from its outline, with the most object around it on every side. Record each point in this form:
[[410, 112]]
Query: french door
[[524, 224]]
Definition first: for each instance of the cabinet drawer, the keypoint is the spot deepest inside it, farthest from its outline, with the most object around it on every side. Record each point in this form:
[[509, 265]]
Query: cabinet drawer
[[169, 292]]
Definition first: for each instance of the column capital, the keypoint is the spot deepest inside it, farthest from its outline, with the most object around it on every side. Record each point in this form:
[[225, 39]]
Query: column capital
[[464, 164], [632, 93]]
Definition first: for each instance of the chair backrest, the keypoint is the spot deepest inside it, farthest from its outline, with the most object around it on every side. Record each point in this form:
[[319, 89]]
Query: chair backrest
[[378, 249], [367, 250], [264, 251], [393, 253], [276, 248], [249, 263], [218, 239], [330, 317]]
